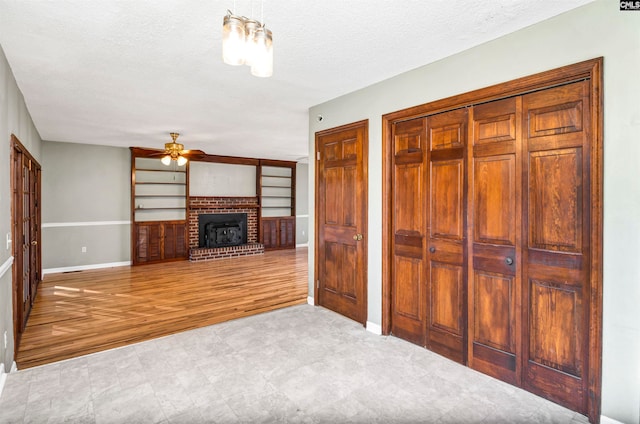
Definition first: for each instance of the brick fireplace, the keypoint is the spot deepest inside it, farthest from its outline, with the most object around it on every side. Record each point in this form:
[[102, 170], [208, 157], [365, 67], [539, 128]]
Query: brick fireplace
[[199, 205]]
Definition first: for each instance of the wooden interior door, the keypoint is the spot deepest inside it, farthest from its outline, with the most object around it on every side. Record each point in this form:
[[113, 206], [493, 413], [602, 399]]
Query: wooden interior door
[[341, 211], [494, 249], [25, 233], [409, 227], [557, 244], [446, 263]]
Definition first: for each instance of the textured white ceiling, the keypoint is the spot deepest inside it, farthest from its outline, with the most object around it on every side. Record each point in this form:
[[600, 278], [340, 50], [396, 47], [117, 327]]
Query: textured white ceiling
[[126, 73]]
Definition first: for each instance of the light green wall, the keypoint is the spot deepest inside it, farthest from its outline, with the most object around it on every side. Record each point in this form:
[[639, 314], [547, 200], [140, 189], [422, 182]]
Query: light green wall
[[14, 119], [86, 193], [597, 29]]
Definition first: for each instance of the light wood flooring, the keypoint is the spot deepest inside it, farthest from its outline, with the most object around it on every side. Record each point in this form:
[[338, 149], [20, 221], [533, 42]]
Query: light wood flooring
[[88, 311]]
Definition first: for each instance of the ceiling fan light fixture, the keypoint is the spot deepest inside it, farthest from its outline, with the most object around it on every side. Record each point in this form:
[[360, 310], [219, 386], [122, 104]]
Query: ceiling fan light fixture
[[181, 160], [166, 160]]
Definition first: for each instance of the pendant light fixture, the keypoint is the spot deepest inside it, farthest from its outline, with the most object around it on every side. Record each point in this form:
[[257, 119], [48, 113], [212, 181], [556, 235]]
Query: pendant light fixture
[[247, 42]]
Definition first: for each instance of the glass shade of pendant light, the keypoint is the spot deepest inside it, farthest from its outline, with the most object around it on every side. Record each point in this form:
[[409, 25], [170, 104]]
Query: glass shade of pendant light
[[181, 160], [247, 41], [262, 64], [166, 160], [250, 45], [233, 39]]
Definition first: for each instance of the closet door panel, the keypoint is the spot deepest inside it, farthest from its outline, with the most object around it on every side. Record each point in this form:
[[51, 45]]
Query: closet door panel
[[494, 246], [556, 258], [408, 286], [446, 324]]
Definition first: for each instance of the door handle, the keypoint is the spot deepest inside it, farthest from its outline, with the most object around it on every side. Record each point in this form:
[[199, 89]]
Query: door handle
[[34, 243], [357, 237], [432, 249], [509, 260]]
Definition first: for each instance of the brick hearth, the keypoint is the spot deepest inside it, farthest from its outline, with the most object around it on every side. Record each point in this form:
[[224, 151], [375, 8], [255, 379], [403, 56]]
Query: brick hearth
[[204, 205]]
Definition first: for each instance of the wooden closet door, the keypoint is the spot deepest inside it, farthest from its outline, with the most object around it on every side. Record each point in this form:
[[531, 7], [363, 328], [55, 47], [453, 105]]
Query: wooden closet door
[[408, 280], [556, 252], [446, 205], [494, 232]]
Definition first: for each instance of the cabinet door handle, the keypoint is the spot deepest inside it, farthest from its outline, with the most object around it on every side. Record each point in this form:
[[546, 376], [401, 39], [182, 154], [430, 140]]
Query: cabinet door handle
[[432, 249], [357, 237], [509, 260]]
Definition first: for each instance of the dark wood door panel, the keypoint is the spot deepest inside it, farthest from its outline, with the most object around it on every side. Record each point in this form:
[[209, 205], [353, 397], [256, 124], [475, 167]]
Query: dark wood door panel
[[446, 254], [557, 222], [495, 243], [341, 211], [408, 281]]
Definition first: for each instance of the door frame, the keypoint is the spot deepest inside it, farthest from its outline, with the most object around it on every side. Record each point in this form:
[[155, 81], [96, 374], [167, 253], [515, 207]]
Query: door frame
[[364, 124], [590, 69], [16, 146]]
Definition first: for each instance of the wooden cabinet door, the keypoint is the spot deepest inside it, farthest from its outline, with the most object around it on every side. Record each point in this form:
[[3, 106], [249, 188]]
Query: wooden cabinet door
[[148, 242], [174, 240], [494, 247], [409, 227], [286, 232], [269, 233], [341, 202], [556, 259], [446, 208]]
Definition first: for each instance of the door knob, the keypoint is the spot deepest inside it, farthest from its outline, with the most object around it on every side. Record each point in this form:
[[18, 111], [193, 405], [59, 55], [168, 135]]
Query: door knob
[[432, 249], [357, 237], [34, 243], [509, 261]]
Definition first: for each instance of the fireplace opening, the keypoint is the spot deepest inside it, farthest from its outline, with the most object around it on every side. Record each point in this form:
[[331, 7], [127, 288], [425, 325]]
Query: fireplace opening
[[222, 229]]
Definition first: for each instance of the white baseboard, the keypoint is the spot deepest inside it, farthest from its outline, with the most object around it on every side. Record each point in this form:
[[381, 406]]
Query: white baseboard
[[607, 420], [374, 328], [310, 300], [84, 267], [302, 245], [6, 266], [3, 375]]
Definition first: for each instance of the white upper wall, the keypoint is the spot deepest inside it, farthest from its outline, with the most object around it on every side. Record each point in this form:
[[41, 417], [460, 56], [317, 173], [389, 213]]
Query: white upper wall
[[597, 29], [221, 179]]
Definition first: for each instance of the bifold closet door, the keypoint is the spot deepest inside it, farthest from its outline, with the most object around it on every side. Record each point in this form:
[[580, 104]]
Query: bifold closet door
[[494, 247], [556, 243], [408, 281], [446, 259]]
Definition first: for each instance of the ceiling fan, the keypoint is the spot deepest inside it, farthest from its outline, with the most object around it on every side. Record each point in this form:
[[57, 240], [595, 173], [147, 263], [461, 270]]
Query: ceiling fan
[[175, 151]]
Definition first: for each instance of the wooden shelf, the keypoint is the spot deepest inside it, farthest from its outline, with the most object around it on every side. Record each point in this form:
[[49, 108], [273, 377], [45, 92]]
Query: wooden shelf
[[159, 209], [276, 176], [180, 196], [160, 170], [157, 183]]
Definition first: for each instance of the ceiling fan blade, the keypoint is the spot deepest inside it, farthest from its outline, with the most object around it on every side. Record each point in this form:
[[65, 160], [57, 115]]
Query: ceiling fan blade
[[192, 153]]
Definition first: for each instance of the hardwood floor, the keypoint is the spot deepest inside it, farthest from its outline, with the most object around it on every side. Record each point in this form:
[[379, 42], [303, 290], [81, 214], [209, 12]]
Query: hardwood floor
[[88, 311]]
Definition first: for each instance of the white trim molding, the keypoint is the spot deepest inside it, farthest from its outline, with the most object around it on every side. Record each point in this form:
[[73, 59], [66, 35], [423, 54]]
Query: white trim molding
[[310, 300], [84, 267], [3, 375], [302, 245], [6, 266], [302, 216], [374, 328], [83, 224], [607, 420]]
